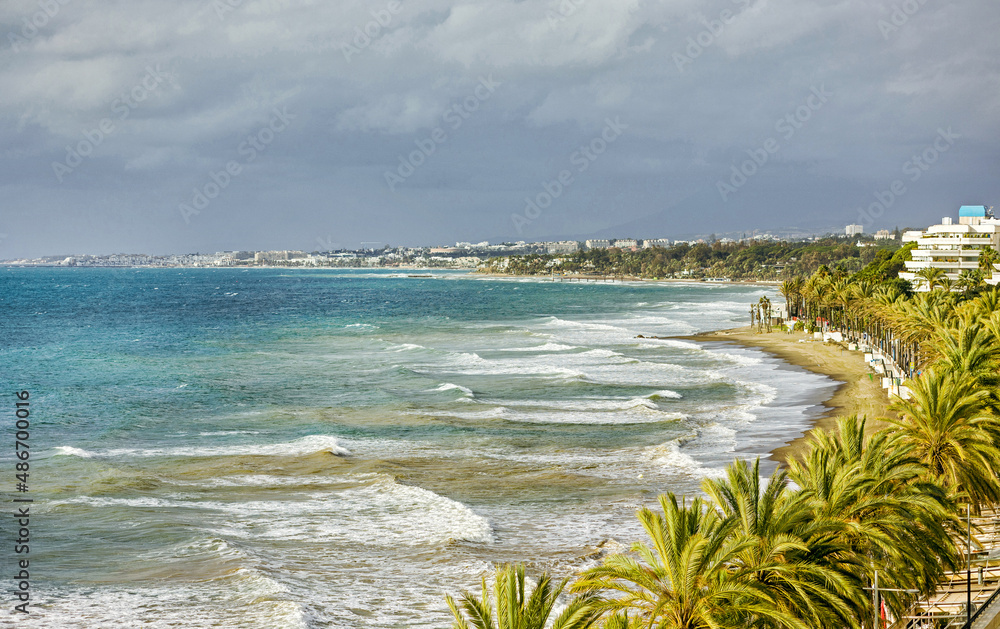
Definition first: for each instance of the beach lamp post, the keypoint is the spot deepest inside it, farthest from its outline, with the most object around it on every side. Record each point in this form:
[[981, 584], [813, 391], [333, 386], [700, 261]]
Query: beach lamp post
[[968, 564], [876, 592]]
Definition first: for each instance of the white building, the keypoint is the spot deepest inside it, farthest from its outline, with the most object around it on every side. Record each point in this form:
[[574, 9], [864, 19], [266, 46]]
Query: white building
[[883, 234], [597, 244], [565, 246], [655, 242], [626, 243], [953, 248], [855, 230]]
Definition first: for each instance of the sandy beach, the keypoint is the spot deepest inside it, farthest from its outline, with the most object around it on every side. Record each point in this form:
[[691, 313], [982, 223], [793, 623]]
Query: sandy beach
[[859, 394]]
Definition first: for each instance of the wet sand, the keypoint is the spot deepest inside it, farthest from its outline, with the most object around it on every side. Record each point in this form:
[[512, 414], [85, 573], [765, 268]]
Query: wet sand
[[858, 394]]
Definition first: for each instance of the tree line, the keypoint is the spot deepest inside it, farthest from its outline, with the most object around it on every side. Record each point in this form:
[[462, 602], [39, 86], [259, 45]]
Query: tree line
[[735, 260]]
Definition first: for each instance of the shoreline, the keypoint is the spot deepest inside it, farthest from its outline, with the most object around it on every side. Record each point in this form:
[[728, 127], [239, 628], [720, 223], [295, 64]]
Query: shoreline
[[855, 394]]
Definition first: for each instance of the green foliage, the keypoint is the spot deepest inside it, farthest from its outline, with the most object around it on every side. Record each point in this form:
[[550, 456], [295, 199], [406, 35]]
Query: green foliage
[[737, 261], [514, 608]]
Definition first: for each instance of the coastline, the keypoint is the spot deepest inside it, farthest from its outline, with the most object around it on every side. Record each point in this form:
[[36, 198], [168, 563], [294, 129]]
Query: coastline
[[857, 393]]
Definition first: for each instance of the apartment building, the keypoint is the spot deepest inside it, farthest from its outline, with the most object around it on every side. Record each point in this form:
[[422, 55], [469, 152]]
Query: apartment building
[[952, 247]]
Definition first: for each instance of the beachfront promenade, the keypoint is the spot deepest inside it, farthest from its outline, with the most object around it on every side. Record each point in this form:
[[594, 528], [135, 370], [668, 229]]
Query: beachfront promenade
[[871, 377]]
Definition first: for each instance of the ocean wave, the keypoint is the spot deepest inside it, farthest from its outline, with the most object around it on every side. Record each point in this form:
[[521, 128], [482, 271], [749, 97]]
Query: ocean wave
[[740, 359], [732, 414], [381, 513], [465, 358], [71, 451], [306, 445], [405, 347], [514, 369], [665, 394], [640, 412], [102, 502], [651, 343], [242, 597], [670, 456], [600, 353], [448, 386], [547, 347], [583, 404], [556, 322]]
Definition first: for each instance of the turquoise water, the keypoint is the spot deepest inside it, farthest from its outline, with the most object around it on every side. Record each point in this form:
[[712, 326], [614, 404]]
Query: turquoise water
[[269, 448]]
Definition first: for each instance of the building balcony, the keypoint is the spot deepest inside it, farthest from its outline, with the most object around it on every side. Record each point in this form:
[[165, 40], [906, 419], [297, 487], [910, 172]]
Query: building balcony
[[945, 265]]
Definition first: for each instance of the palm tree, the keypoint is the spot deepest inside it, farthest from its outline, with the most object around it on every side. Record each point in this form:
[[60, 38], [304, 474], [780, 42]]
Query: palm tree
[[514, 609], [932, 276], [802, 583], [872, 509], [970, 280], [988, 259], [690, 578], [969, 348], [946, 425], [790, 291]]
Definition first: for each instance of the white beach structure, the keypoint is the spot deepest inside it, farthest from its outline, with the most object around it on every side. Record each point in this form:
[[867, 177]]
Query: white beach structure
[[951, 247]]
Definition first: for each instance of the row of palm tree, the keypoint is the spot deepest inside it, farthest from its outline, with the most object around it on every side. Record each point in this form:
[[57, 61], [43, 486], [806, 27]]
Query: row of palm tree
[[804, 548]]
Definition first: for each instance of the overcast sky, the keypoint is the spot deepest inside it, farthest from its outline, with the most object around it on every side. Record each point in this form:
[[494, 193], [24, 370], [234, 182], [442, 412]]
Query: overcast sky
[[164, 126]]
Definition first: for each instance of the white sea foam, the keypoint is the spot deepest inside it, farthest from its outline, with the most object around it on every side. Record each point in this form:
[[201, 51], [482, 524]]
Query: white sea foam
[[378, 512], [102, 501], [306, 445], [739, 359], [650, 343], [665, 393], [670, 456], [244, 597], [547, 347], [383, 513], [638, 413], [405, 347], [71, 451], [448, 386], [260, 480], [556, 322], [582, 404]]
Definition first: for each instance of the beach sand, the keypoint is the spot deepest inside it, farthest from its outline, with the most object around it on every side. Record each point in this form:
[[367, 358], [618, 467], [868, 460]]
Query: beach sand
[[858, 394]]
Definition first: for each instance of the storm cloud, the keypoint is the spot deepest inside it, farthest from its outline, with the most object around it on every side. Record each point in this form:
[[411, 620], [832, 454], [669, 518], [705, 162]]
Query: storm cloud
[[162, 126]]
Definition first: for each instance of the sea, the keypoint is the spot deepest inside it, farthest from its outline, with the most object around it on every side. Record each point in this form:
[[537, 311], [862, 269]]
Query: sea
[[341, 448]]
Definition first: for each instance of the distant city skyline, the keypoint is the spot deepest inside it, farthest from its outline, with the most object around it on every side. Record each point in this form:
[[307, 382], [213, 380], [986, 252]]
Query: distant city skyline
[[468, 251], [163, 127]]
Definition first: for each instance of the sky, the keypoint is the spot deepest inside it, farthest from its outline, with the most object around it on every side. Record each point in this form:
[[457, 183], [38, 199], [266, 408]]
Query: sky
[[179, 126]]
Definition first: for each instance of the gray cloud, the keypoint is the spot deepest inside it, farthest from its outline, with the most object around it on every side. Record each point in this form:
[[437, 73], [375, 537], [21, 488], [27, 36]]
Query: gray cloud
[[898, 72]]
